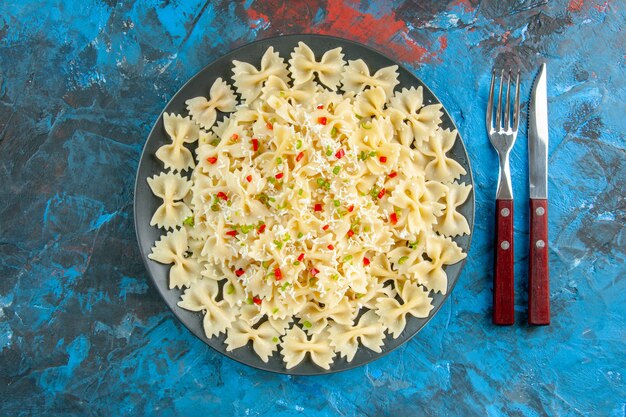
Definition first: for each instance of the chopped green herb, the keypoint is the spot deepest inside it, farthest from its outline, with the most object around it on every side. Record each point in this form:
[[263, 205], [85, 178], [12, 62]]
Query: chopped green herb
[[373, 154], [296, 263], [282, 93], [335, 277], [272, 180], [359, 296], [266, 264], [329, 151], [320, 182], [337, 203], [249, 300], [285, 285], [272, 199], [275, 339], [215, 207], [287, 237], [300, 235], [229, 203], [230, 289], [403, 260], [307, 324], [326, 185], [333, 132], [298, 144], [300, 191], [188, 221], [358, 116], [274, 312], [347, 258], [366, 229], [279, 161], [413, 245], [278, 244], [364, 125], [336, 170], [215, 142]]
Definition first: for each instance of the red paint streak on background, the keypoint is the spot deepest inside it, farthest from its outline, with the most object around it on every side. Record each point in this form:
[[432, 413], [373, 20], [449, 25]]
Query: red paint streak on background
[[465, 4], [341, 18], [575, 5]]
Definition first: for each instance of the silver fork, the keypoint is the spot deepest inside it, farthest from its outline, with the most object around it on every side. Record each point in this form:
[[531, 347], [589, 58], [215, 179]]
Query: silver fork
[[502, 136]]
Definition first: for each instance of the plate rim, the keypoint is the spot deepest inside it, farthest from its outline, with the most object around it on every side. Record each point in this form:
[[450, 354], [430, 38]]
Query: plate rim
[[293, 371]]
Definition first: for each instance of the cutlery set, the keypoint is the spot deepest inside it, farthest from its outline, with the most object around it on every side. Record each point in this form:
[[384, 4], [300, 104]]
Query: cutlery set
[[502, 128]]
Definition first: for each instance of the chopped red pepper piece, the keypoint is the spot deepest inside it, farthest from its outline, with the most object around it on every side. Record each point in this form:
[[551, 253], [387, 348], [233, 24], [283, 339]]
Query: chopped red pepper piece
[[350, 233], [256, 300], [322, 120], [212, 160], [279, 175], [366, 261], [270, 126], [300, 156], [222, 195], [340, 154], [314, 271], [262, 228], [321, 106], [393, 218], [301, 257], [381, 193], [331, 247], [278, 274], [383, 159], [318, 207], [240, 272], [393, 174], [325, 228], [351, 208], [249, 178], [255, 145], [232, 233], [235, 137]]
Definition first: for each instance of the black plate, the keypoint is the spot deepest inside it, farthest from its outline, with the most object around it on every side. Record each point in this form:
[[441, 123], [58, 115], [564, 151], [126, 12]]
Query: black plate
[[146, 203]]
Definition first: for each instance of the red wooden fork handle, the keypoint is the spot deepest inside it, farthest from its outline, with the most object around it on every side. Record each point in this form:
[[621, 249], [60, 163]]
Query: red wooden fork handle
[[503, 277], [538, 270]]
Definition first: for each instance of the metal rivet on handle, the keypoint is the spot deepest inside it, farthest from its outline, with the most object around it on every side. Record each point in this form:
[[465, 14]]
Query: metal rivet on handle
[[505, 245], [540, 211], [540, 243], [505, 212]]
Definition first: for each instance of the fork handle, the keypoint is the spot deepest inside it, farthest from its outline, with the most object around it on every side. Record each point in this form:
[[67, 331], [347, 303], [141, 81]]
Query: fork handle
[[503, 278], [538, 270]]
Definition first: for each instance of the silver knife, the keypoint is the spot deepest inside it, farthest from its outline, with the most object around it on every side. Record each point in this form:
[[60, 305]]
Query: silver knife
[[538, 268]]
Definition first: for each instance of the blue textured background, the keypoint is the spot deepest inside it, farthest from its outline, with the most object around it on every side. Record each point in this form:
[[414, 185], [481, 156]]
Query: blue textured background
[[82, 332]]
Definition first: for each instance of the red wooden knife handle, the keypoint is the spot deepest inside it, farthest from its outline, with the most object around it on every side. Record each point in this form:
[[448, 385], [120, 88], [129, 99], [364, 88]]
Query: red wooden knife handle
[[538, 270], [503, 277]]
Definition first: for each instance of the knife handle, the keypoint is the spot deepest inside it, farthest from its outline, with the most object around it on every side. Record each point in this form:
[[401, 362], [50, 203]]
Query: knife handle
[[503, 277], [538, 270]]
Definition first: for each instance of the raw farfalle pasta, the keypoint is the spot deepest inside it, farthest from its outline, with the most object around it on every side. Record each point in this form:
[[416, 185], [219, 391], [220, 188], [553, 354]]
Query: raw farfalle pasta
[[171, 188], [317, 216], [203, 111]]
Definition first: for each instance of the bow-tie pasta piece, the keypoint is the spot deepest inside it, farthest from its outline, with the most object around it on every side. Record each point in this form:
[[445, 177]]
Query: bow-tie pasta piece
[[304, 67], [369, 331], [173, 249], [414, 122], [415, 301], [296, 345], [264, 339], [249, 80], [202, 297], [441, 167], [452, 223], [357, 78], [171, 188], [181, 130], [441, 251], [203, 111]]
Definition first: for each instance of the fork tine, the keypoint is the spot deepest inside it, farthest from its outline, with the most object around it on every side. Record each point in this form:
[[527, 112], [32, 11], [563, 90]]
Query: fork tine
[[488, 119], [499, 109], [516, 107], [507, 106]]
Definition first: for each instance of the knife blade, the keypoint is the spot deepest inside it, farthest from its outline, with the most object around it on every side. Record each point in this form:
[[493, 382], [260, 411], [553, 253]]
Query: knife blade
[[538, 137], [538, 265]]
